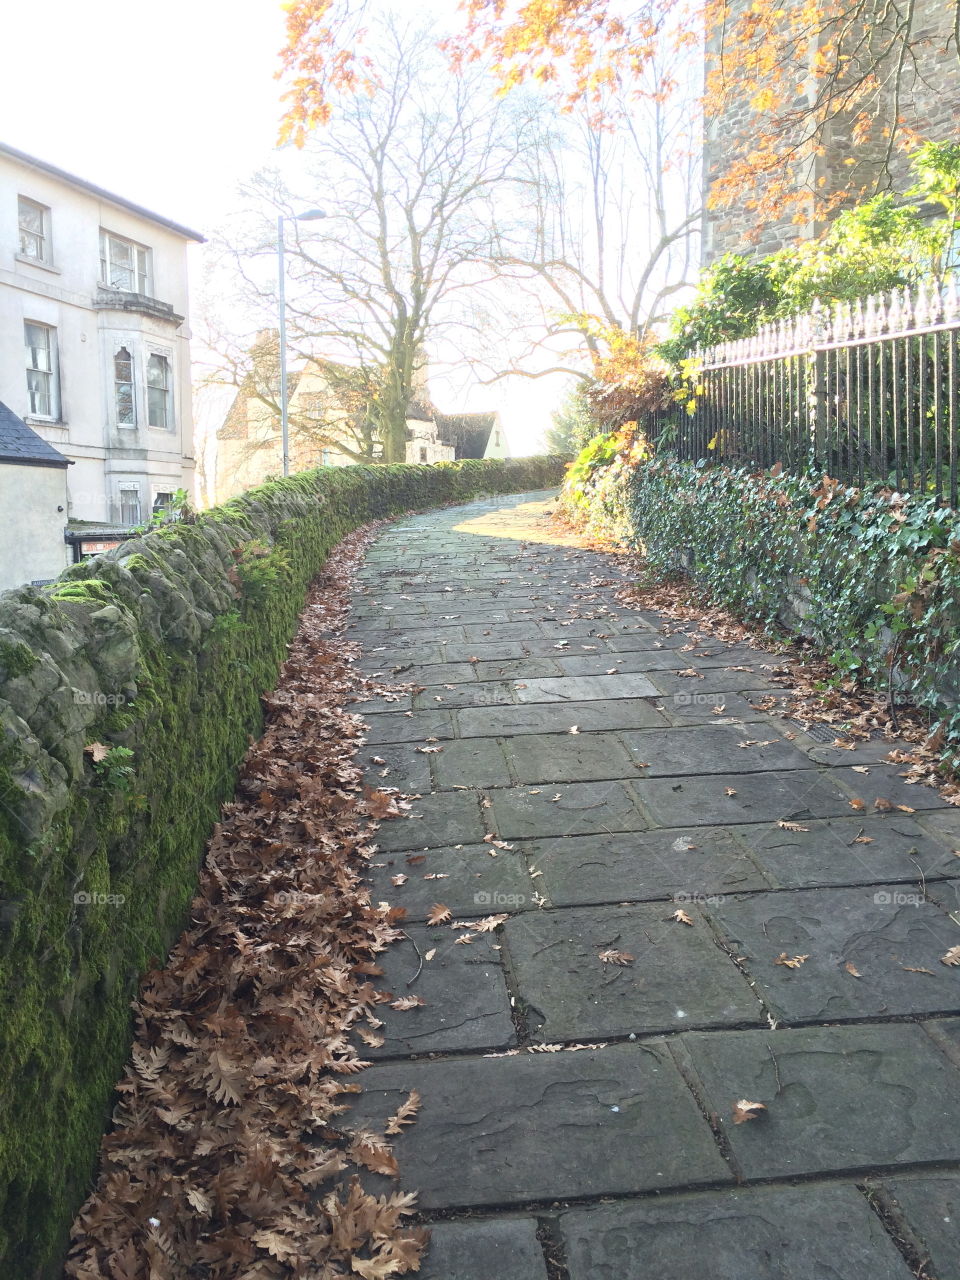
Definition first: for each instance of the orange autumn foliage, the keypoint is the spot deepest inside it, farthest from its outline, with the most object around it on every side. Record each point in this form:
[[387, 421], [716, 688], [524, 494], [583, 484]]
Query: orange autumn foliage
[[777, 76]]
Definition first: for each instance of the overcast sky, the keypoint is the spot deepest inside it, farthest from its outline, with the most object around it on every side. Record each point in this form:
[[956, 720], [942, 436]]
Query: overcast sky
[[171, 105]]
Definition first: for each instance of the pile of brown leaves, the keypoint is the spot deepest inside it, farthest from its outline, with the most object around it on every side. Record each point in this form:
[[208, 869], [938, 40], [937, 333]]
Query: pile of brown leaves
[[223, 1155]]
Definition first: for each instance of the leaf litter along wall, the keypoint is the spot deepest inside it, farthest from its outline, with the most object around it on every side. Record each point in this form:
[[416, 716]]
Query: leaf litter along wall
[[155, 657]]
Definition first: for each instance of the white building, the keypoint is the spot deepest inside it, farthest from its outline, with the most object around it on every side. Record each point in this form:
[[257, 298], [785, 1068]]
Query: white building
[[94, 340]]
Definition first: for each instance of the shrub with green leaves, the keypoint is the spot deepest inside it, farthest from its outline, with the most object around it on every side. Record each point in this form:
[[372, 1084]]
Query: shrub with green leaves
[[871, 576]]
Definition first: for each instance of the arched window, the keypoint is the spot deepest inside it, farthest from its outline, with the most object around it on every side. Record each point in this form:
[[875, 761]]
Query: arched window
[[123, 388]]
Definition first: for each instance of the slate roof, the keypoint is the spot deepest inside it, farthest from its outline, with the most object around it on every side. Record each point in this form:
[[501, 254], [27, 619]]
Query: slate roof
[[469, 433], [20, 445]]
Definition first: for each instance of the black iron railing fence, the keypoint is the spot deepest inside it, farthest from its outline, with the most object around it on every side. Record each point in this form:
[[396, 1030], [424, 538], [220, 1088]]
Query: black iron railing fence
[[865, 391]]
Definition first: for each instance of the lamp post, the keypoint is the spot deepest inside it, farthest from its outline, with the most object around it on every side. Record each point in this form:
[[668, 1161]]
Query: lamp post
[[309, 215]]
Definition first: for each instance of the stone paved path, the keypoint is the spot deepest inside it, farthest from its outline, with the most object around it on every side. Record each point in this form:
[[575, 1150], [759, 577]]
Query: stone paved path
[[614, 1154]]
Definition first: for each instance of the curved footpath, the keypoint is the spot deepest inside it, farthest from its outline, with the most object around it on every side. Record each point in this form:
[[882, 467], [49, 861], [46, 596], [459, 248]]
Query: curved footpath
[[624, 775]]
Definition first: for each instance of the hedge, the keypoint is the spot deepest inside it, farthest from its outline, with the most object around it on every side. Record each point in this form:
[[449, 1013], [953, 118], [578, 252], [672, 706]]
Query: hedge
[[160, 651], [870, 575]]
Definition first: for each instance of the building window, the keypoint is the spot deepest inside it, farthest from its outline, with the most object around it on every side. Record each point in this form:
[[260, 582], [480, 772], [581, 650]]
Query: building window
[[159, 392], [42, 373], [129, 504], [123, 388], [423, 455], [162, 501], [34, 220], [326, 457], [124, 264]]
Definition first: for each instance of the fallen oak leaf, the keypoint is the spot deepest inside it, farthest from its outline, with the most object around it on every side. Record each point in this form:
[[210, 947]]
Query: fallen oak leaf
[[681, 917], [406, 1113], [407, 1002], [790, 962], [852, 969], [439, 914], [744, 1110], [858, 804], [489, 923], [611, 956], [791, 826], [952, 957]]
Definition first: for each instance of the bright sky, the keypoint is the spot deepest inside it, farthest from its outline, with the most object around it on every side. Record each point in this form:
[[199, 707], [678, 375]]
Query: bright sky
[[172, 105]]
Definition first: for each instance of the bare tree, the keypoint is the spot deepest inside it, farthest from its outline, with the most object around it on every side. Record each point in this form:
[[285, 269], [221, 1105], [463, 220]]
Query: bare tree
[[613, 224], [412, 178]]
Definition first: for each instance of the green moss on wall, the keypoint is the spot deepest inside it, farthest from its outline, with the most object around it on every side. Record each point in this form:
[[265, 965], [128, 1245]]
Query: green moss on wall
[[163, 647]]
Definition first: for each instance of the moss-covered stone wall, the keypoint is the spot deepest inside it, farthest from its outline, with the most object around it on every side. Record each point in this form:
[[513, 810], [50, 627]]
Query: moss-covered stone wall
[[159, 651]]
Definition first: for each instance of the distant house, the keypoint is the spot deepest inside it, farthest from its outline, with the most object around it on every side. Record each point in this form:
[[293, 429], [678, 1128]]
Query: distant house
[[326, 427], [33, 497], [473, 435], [94, 339]]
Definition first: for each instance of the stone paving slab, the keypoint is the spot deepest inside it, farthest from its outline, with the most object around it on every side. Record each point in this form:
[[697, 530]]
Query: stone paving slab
[[566, 757], [519, 668], [585, 688], [434, 821], [764, 1233], [697, 707], [849, 1098], [599, 664], [476, 879], [404, 766], [714, 748], [688, 865], [742, 798], [930, 1204], [858, 850], [470, 762], [512, 1130], [886, 932], [557, 718], [677, 979], [884, 783], [711, 680], [489, 1249], [564, 809], [489, 693], [394, 726], [466, 1004]]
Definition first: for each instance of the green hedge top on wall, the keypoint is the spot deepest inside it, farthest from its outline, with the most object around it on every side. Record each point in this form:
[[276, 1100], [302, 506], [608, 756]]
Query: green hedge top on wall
[[159, 651]]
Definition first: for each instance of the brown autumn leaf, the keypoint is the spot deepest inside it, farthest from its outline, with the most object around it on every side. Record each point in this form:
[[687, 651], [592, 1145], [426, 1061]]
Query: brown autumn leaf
[[406, 1113], [403, 1003], [729, 791], [791, 826], [489, 923], [439, 914], [790, 962], [857, 804], [97, 751], [883, 804], [852, 969], [680, 916], [611, 956], [910, 968], [399, 879], [744, 1110], [951, 957]]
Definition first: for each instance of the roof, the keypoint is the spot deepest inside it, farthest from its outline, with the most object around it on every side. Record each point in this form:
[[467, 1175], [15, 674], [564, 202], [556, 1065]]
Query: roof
[[469, 433], [21, 446], [82, 185]]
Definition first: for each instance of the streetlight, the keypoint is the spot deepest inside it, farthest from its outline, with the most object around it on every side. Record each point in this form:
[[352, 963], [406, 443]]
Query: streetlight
[[309, 215]]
